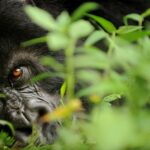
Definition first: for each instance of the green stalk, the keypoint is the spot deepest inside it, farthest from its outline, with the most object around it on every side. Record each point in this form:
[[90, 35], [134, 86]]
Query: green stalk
[[70, 79]]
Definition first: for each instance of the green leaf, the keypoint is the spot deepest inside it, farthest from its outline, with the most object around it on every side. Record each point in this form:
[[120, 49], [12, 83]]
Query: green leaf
[[57, 41], [95, 37], [112, 129], [87, 61], [107, 25], [134, 36], [146, 13], [40, 77], [6, 123], [41, 17], [80, 29], [135, 17], [128, 29], [63, 21], [63, 90], [91, 57], [112, 97], [83, 9], [2, 95], [52, 62], [34, 41], [88, 76], [6, 141]]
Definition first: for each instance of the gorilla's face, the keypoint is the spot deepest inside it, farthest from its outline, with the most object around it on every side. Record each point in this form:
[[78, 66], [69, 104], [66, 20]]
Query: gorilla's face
[[25, 102]]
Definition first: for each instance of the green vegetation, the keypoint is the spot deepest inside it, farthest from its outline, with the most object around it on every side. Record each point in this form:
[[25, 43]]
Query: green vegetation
[[120, 71]]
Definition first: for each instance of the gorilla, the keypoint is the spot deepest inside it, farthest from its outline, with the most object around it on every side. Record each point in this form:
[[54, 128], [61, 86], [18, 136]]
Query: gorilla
[[25, 102]]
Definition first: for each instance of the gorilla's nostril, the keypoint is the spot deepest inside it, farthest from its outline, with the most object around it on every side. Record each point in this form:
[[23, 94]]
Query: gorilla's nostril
[[42, 112], [40, 108]]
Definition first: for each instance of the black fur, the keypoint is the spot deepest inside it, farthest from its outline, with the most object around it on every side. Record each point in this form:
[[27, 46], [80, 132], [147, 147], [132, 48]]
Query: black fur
[[25, 102]]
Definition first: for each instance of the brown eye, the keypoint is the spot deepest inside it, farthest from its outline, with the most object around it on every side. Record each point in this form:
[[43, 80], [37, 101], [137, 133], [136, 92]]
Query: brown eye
[[16, 73], [19, 76]]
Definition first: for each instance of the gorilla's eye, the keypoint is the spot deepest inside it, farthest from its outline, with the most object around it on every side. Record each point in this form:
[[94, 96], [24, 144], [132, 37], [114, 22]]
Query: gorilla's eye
[[19, 76], [16, 73]]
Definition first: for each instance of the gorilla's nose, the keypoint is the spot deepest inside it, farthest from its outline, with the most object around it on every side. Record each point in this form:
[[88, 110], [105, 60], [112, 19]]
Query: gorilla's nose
[[23, 116], [40, 107]]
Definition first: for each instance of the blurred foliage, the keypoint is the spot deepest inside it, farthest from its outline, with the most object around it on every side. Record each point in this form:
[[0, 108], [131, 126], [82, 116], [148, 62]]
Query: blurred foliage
[[5, 139], [117, 71]]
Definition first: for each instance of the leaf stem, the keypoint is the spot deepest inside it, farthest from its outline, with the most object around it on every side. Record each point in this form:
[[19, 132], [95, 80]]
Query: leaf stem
[[70, 79]]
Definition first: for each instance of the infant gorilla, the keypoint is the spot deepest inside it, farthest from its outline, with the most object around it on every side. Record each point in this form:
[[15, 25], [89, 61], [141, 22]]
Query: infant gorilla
[[25, 102]]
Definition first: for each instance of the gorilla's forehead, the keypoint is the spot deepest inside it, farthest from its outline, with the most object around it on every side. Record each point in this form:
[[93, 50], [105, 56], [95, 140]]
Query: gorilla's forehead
[[6, 45], [11, 55]]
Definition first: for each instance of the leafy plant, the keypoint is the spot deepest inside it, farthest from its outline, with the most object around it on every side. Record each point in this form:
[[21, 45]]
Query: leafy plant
[[5, 140], [121, 71]]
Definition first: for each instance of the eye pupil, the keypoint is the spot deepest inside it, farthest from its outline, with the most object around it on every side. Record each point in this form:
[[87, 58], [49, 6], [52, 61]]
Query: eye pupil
[[17, 72]]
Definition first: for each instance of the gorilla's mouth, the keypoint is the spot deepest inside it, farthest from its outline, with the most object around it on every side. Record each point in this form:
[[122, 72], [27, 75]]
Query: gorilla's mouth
[[27, 130], [46, 135], [22, 136]]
